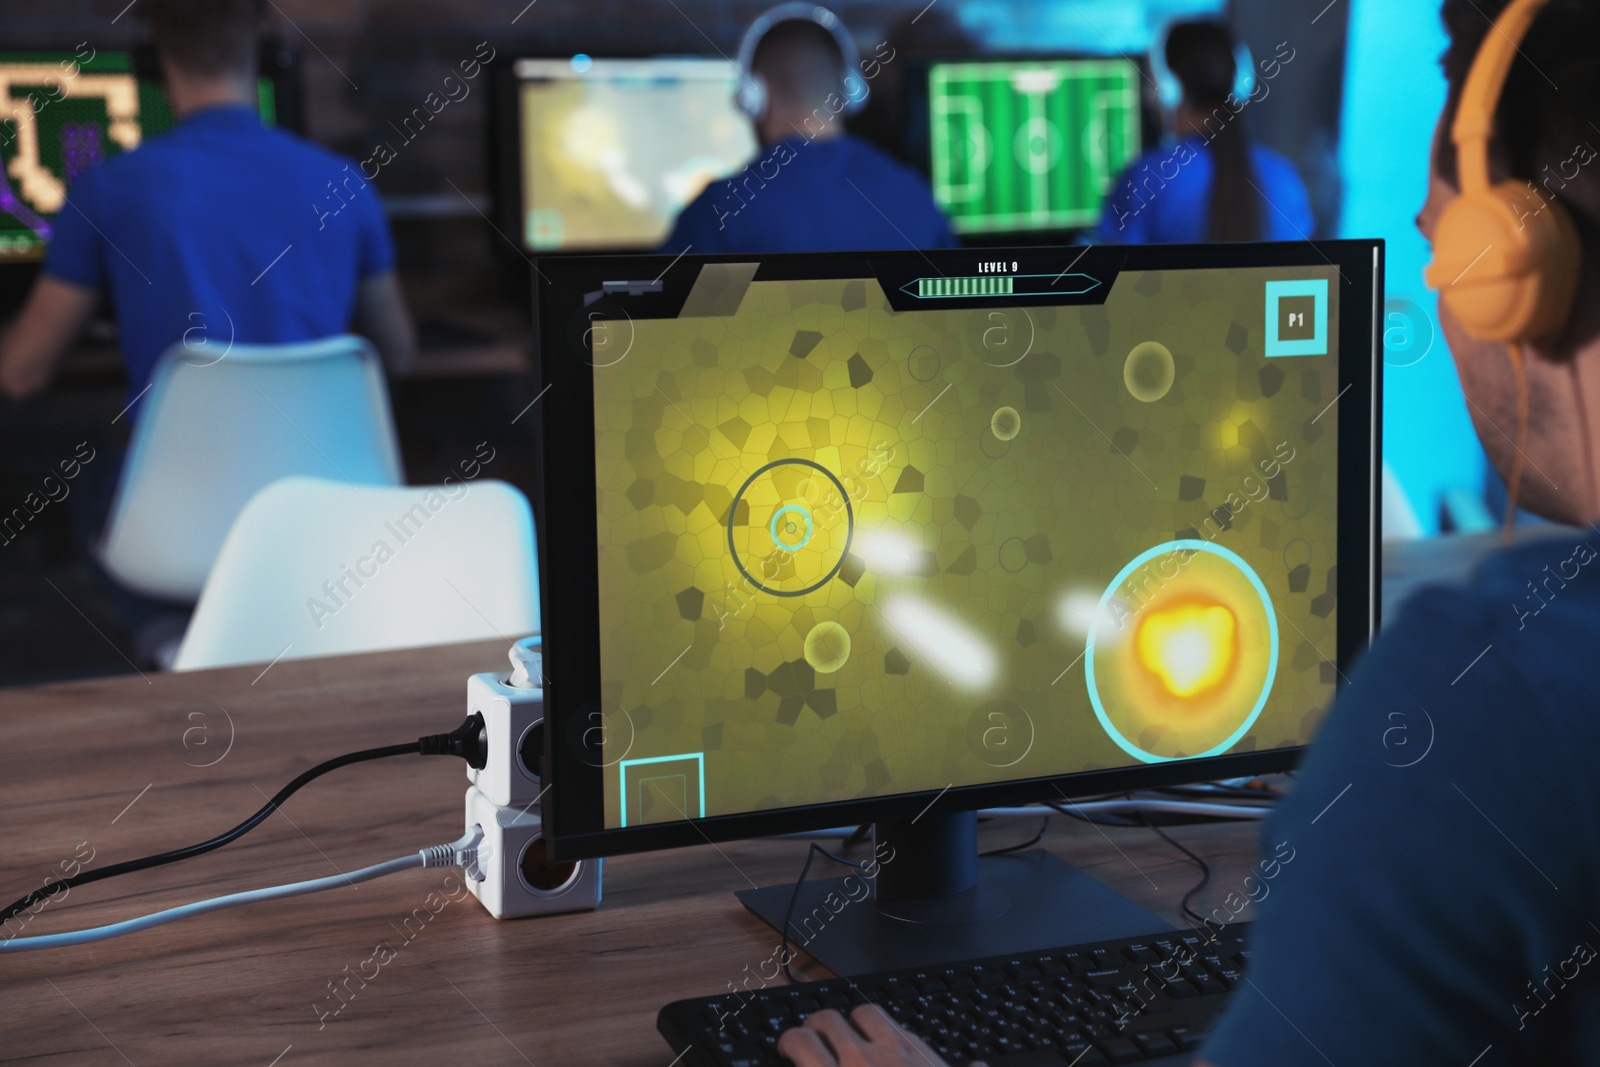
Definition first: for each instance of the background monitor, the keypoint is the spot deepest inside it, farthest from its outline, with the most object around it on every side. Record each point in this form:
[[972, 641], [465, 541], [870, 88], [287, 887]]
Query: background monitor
[[64, 112], [1027, 146], [875, 534], [609, 151]]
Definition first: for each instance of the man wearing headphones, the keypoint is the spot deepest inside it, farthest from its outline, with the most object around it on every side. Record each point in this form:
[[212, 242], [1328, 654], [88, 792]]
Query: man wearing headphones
[[814, 187], [1441, 907]]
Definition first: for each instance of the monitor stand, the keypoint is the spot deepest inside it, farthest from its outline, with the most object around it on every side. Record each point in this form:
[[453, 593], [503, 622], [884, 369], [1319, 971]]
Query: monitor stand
[[936, 901]]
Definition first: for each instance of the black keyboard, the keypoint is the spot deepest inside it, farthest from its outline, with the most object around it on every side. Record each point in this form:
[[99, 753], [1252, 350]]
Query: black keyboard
[[1135, 1000]]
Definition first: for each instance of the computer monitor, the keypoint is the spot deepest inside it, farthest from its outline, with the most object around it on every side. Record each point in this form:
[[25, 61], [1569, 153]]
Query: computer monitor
[[891, 537], [609, 151], [66, 111], [1027, 146]]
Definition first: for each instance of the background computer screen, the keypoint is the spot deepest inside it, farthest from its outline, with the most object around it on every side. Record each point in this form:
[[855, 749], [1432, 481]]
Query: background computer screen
[[60, 114], [1028, 145], [613, 149], [873, 535]]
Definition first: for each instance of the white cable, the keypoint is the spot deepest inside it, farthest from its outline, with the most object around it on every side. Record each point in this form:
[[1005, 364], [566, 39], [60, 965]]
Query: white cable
[[455, 854]]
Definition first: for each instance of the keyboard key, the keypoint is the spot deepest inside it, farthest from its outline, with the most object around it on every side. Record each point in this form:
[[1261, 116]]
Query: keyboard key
[[1037, 1058], [1155, 1043], [1141, 953], [1120, 1050], [1106, 979], [957, 979], [1052, 967]]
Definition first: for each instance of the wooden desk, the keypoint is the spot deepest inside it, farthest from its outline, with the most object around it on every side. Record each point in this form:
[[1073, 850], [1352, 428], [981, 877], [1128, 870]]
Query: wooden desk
[[104, 763]]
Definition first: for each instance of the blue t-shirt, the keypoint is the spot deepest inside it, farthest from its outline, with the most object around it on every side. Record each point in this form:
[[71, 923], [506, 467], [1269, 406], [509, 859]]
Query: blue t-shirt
[[221, 229], [835, 195], [1442, 903], [1165, 197]]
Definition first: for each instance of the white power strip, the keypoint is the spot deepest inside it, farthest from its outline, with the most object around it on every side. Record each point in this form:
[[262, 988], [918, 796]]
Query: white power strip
[[512, 706], [515, 876], [518, 877]]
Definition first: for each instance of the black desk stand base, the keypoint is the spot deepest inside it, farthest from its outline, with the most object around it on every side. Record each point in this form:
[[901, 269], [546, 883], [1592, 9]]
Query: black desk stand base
[[1024, 901]]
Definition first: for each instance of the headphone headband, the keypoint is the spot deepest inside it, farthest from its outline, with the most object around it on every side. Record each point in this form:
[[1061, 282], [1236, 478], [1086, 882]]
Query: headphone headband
[[1170, 90], [1506, 260], [1474, 124], [752, 97]]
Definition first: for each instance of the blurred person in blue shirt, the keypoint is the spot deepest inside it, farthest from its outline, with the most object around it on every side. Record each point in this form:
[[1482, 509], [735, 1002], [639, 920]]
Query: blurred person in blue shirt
[[1213, 184], [813, 187], [220, 230]]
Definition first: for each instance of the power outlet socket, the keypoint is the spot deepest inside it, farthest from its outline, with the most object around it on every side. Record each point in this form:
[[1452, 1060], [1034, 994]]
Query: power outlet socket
[[513, 720], [518, 877]]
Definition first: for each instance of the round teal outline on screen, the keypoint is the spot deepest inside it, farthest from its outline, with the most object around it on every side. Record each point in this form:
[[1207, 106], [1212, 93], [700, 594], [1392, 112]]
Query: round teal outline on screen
[[773, 527], [1272, 656]]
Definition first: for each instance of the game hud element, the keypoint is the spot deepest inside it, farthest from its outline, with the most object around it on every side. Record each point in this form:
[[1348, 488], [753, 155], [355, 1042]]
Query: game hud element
[[60, 115], [846, 551], [1030, 145], [612, 154]]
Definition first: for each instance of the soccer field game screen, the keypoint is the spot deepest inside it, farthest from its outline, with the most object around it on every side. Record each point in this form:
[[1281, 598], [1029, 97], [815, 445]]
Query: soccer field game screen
[[612, 149], [1019, 146], [860, 536], [60, 114]]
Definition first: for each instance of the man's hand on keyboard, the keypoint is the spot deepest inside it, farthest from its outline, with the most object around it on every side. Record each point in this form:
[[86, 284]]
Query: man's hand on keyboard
[[869, 1038]]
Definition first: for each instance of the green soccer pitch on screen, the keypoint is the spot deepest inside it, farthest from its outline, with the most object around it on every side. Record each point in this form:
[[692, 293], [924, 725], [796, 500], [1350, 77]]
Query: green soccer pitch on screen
[[1022, 146], [62, 113]]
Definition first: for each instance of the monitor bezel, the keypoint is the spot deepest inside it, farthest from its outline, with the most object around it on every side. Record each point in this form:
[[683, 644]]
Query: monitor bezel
[[919, 132], [572, 800], [505, 155]]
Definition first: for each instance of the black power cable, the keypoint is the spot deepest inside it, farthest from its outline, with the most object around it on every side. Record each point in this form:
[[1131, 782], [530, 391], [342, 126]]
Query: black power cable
[[1029, 843], [1205, 870], [788, 913], [469, 741]]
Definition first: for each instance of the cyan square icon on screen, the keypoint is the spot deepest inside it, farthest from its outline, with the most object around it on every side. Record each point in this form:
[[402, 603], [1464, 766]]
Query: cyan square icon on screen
[[663, 788], [1297, 318]]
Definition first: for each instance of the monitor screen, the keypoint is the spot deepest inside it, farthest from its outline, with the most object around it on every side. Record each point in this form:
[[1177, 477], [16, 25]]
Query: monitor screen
[[60, 114], [613, 149], [1020, 146], [895, 526]]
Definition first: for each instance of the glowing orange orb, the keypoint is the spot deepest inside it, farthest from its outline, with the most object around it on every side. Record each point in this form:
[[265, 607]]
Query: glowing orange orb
[[1188, 647]]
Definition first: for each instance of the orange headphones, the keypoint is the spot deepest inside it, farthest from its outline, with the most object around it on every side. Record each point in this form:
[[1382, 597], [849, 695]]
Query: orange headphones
[[1505, 260]]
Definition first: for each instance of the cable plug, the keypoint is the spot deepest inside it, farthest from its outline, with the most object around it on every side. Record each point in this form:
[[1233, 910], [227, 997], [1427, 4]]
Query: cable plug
[[470, 741], [462, 852]]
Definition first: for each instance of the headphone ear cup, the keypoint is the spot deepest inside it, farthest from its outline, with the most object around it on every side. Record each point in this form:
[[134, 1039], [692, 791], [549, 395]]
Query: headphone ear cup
[[753, 95], [1515, 258]]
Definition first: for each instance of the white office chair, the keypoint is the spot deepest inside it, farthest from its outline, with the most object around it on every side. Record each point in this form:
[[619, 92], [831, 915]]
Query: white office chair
[[212, 434], [319, 568]]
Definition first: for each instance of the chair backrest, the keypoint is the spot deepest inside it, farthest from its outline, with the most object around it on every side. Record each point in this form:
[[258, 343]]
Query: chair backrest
[[214, 431], [320, 568]]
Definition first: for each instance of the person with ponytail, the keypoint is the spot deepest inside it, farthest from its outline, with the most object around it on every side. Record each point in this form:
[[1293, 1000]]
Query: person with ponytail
[[1213, 183]]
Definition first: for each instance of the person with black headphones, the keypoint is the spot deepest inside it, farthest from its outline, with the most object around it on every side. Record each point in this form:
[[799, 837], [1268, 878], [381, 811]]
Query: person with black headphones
[[814, 187], [1441, 904]]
